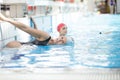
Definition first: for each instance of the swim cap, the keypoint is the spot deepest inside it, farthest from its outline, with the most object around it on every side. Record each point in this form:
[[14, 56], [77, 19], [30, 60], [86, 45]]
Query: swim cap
[[60, 26]]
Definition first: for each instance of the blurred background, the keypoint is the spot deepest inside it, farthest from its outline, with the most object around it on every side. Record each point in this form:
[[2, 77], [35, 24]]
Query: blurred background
[[22, 8]]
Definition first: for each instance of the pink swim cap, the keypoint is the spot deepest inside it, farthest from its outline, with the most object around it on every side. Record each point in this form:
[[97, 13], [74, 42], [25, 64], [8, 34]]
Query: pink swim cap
[[60, 26]]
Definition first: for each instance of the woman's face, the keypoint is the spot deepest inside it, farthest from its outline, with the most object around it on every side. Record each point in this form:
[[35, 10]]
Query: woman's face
[[63, 30]]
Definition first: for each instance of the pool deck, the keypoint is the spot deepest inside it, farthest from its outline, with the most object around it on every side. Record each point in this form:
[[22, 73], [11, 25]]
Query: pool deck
[[60, 74]]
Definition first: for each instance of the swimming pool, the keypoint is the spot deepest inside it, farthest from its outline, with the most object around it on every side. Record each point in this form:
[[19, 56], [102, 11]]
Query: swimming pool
[[96, 45]]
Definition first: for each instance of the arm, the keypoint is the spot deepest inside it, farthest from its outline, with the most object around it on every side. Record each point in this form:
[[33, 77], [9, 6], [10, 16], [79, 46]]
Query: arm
[[34, 32]]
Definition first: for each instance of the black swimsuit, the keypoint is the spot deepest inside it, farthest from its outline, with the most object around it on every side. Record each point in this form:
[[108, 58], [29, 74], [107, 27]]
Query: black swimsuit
[[36, 42]]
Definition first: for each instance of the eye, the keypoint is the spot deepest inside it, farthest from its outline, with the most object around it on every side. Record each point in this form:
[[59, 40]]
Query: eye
[[64, 28]]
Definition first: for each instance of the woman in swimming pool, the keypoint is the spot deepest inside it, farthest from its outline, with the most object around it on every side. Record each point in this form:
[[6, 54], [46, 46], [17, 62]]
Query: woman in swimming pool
[[42, 38]]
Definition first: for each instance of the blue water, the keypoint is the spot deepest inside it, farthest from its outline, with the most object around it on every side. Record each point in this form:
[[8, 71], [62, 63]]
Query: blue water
[[97, 44]]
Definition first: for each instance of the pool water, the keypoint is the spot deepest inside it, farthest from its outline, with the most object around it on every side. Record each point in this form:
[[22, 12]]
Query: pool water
[[39, 57], [96, 45]]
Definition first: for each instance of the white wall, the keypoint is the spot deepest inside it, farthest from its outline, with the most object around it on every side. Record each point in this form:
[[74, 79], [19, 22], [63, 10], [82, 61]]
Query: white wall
[[118, 6], [17, 10], [7, 33], [91, 5], [14, 1]]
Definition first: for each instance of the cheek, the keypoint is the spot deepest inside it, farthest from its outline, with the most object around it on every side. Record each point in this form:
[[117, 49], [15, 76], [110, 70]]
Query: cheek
[[65, 31]]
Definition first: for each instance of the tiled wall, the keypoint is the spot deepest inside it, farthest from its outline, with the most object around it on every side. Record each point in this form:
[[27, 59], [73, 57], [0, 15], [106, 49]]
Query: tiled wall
[[0, 39], [7, 33], [118, 7]]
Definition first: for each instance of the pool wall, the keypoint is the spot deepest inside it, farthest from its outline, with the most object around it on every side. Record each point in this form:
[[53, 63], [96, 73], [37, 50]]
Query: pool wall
[[7, 33], [66, 74]]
